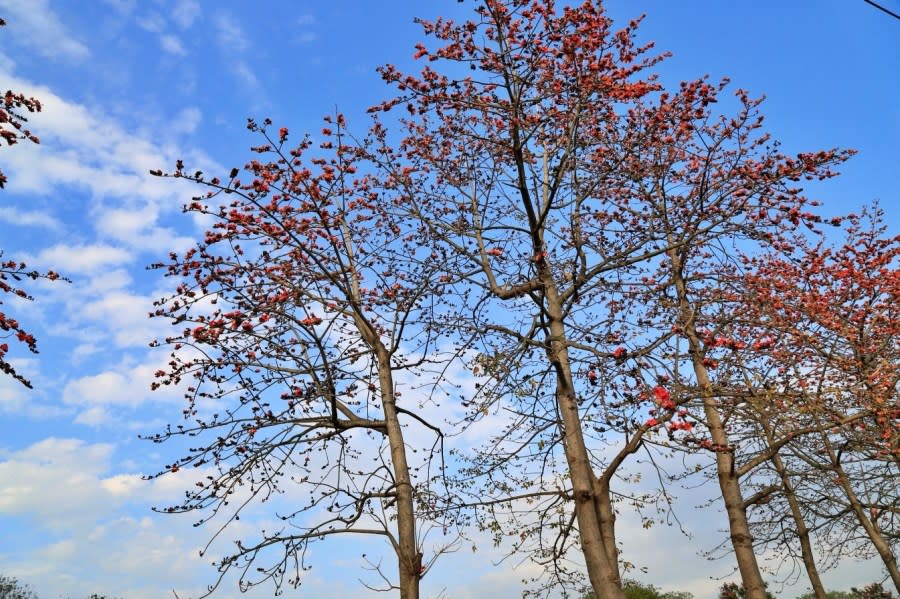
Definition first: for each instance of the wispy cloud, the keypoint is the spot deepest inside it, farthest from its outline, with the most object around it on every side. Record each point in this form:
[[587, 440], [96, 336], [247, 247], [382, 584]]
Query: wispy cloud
[[102, 396], [172, 45], [229, 34], [246, 75], [187, 120], [156, 23], [152, 22], [185, 13], [35, 25], [122, 6], [305, 35], [86, 150], [82, 259], [29, 218], [106, 505]]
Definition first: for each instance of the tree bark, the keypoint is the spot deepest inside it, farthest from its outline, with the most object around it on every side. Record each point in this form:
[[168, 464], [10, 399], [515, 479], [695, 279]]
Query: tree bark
[[809, 560], [409, 559], [741, 539], [881, 545], [601, 563], [607, 517]]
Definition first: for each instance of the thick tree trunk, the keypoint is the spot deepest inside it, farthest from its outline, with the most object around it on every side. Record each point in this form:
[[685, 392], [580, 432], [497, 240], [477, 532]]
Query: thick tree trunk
[[602, 566], [741, 539], [607, 517], [408, 556]]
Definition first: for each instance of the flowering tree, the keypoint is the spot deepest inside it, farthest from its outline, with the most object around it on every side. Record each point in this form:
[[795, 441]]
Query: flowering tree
[[719, 190], [833, 313], [12, 130], [577, 198], [578, 235], [298, 317], [513, 144]]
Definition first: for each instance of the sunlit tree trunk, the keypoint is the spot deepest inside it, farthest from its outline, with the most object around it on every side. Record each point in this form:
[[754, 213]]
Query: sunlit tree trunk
[[729, 484], [602, 565]]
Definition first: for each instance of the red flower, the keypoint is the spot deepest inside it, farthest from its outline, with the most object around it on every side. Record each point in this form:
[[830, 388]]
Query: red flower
[[619, 353], [661, 394], [663, 398]]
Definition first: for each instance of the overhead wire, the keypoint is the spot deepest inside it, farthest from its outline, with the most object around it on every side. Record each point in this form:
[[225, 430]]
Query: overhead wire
[[883, 9]]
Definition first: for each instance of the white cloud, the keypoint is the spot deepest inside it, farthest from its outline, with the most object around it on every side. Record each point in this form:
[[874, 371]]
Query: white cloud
[[109, 280], [152, 22], [81, 259], [135, 228], [156, 23], [105, 396], [185, 13], [246, 75], [61, 503], [70, 464], [84, 150], [37, 26], [122, 485], [172, 45], [188, 120], [94, 416], [229, 34], [14, 396], [122, 6], [124, 315], [29, 218], [305, 35]]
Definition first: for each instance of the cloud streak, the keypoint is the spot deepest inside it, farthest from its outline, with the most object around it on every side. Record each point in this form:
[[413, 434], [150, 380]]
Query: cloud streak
[[38, 27]]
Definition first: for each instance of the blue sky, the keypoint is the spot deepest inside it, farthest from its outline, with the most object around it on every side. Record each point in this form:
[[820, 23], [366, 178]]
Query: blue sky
[[130, 85]]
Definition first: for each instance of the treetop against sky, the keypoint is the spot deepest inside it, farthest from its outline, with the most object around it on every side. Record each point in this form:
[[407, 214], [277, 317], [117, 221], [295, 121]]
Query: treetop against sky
[[129, 87]]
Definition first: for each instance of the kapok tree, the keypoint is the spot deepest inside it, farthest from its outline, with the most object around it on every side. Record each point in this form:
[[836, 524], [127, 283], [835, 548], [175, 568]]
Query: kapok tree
[[833, 311], [298, 317], [559, 178], [793, 384], [13, 128], [519, 145], [714, 189]]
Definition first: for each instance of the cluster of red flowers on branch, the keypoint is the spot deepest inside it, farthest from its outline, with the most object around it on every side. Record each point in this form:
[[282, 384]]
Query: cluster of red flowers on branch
[[12, 130]]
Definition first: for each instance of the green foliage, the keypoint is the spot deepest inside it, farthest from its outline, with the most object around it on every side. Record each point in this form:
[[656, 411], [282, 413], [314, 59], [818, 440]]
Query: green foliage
[[636, 590], [11, 588], [732, 590], [871, 591]]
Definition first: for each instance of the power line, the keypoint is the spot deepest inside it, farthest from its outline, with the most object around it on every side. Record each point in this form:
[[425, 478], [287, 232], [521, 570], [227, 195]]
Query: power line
[[883, 9]]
